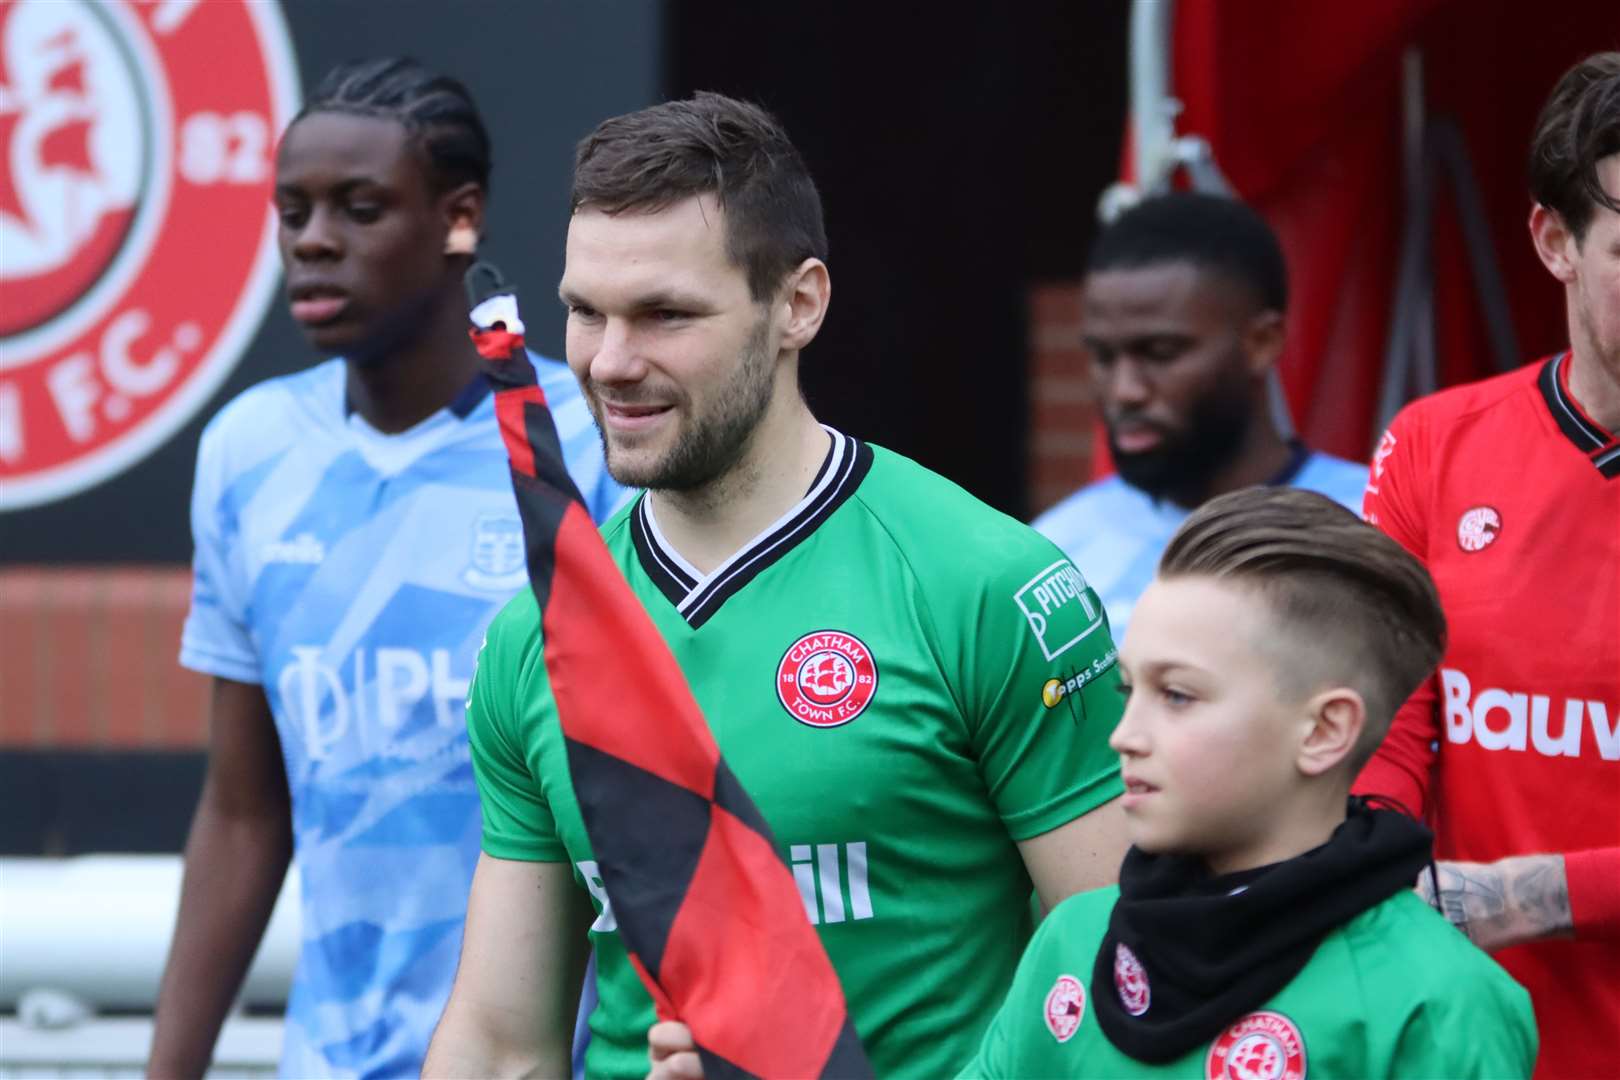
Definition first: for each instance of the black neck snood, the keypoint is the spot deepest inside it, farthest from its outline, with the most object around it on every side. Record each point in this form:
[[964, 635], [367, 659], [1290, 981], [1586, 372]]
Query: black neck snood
[[1187, 954]]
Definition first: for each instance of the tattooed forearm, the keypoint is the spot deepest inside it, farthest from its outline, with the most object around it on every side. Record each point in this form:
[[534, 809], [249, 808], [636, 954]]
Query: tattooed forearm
[[1541, 893], [1508, 902]]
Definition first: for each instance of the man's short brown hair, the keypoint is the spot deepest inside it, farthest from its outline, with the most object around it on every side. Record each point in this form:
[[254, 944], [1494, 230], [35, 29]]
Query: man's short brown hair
[[713, 145], [1578, 127], [1366, 610]]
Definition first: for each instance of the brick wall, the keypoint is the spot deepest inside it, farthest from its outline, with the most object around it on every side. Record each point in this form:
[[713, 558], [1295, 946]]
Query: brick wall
[[88, 660], [1062, 412]]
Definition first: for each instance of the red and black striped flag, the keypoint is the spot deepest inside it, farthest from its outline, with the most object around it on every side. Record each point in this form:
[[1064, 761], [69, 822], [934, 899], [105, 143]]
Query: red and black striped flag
[[707, 910]]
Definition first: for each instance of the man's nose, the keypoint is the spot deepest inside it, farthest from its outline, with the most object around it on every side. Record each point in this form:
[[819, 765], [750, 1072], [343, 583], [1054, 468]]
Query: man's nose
[[1125, 382], [318, 238], [617, 357]]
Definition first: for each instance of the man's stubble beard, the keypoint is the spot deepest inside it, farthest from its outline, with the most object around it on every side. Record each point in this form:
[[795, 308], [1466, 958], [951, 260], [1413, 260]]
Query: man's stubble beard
[[713, 442]]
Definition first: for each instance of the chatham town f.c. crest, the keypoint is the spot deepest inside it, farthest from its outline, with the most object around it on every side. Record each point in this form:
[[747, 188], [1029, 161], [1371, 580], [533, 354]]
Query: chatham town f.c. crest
[[137, 239], [826, 678], [1261, 1046], [1065, 1005], [1131, 981]]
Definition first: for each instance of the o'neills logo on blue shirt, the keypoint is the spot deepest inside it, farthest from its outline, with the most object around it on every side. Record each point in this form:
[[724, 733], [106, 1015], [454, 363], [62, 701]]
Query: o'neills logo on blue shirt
[[1059, 608]]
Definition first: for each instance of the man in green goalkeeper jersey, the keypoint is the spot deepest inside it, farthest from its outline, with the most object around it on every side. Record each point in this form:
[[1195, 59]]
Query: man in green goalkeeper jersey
[[916, 690]]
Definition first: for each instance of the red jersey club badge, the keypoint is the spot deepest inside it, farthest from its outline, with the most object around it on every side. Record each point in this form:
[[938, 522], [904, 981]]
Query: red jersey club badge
[[1478, 528], [1065, 1005], [826, 678], [1131, 981], [1260, 1046], [135, 223]]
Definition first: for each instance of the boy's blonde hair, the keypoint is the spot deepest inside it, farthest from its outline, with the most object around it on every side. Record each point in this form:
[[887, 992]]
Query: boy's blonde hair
[[1353, 607]]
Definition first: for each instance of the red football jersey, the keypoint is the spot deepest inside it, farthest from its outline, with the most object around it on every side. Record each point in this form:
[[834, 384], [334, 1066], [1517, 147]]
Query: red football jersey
[[1510, 495]]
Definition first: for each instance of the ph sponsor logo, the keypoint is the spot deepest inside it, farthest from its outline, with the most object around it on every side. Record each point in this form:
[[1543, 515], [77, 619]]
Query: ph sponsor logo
[[1059, 607], [137, 243], [1065, 1005], [1261, 1046], [826, 679], [1498, 719], [362, 702]]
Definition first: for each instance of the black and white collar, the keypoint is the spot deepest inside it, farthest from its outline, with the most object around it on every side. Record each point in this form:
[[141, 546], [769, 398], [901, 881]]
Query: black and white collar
[[698, 596], [1601, 447]]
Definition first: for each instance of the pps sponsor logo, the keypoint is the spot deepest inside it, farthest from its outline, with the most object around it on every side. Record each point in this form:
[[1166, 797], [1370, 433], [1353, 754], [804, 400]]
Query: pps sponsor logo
[[1131, 981], [826, 679], [137, 243], [1055, 690], [1065, 1005], [1059, 607], [1478, 528], [1260, 1046]]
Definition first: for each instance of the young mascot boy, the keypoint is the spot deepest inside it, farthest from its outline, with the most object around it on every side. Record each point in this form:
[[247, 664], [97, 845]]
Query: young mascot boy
[[1264, 924]]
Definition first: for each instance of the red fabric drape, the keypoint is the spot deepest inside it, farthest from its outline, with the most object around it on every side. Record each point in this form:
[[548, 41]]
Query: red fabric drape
[[1301, 104]]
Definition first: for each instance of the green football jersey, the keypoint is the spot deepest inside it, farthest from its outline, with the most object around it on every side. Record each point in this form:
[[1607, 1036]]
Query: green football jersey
[[1394, 992], [906, 682]]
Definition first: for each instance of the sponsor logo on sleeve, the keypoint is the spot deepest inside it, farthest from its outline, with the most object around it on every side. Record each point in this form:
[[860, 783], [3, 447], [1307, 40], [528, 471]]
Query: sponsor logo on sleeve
[[1059, 607], [1131, 981], [1260, 1046], [1386, 447], [1065, 1005], [826, 678], [1055, 690], [1478, 528]]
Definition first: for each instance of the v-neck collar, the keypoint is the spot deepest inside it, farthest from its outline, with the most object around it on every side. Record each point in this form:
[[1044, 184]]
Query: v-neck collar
[[698, 596], [1602, 448]]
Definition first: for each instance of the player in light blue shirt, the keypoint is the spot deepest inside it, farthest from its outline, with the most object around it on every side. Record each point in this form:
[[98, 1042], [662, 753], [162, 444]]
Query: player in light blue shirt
[[355, 532], [1183, 318]]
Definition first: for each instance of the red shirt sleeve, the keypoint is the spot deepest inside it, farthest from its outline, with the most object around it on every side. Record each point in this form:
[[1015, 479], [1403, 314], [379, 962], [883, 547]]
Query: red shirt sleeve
[[1593, 879], [1394, 502]]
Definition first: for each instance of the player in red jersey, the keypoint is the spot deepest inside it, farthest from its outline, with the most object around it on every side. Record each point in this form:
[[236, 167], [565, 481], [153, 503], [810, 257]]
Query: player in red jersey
[[1509, 491]]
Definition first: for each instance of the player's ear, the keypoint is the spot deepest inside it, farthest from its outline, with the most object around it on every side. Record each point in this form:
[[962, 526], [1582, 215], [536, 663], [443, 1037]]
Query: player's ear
[[462, 208], [1555, 243], [1263, 341], [1333, 724], [802, 301]]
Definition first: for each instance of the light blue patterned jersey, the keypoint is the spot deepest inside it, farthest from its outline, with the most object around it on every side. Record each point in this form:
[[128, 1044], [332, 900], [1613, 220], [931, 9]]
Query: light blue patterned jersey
[[352, 574], [1114, 533]]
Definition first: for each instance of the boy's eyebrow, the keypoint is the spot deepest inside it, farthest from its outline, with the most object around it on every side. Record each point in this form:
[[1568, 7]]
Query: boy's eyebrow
[[1161, 667]]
